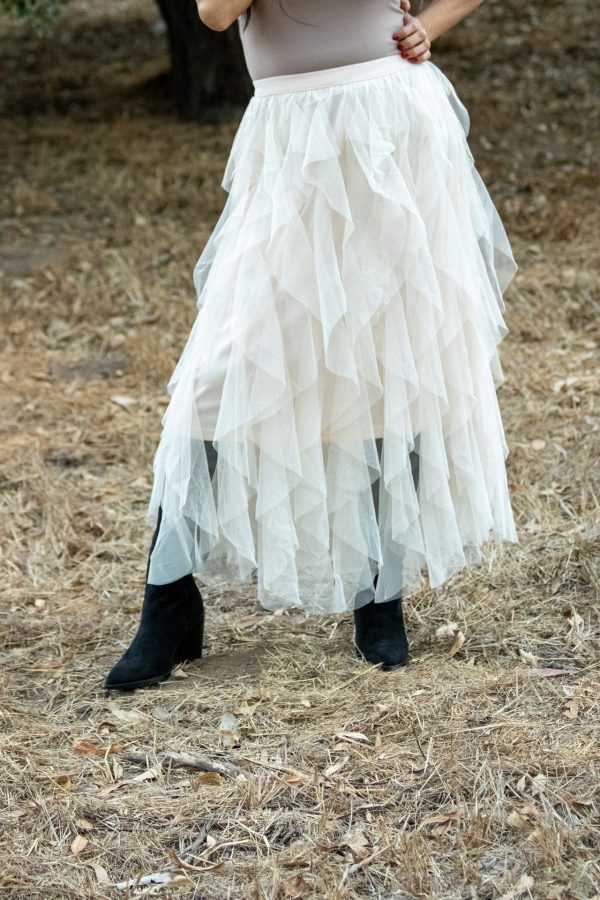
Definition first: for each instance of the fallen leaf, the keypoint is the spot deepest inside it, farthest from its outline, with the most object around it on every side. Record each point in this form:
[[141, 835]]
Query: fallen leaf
[[452, 815], [457, 643], [572, 709], [207, 778], [248, 622], [100, 873], [154, 878], [105, 727], [531, 812], [358, 844], [290, 778], [331, 770], [189, 867], [78, 844], [86, 748], [123, 402], [16, 813], [447, 631], [64, 782], [296, 888], [528, 657], [296, 862], [535, 836], [110, 789], [49, 665], [580, 801], [516, 820], [538, 784], [127, 715], [179, 672], [543, 673], [563, 383], [352, 736], [148, 775], [84, 825], [576, 626], [525, 883], [82, 746], [229, 730]]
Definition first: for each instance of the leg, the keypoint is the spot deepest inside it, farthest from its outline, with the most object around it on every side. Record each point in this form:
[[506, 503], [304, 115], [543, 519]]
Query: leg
[[380, 635], [171, 626]]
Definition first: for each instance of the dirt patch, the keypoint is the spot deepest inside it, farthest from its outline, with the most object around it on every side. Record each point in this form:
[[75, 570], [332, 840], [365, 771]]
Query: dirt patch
[[93, 368]]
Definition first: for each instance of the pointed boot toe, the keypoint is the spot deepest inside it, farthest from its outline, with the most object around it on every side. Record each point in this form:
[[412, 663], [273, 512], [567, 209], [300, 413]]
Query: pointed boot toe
[[133, 671]]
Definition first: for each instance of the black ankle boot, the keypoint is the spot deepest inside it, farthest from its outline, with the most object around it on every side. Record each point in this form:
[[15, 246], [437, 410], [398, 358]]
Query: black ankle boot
[[170, 632], [380, 635]]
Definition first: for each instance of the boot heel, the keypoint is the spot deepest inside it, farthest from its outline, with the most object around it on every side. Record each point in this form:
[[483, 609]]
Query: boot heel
[[190, 648], [191, 644]]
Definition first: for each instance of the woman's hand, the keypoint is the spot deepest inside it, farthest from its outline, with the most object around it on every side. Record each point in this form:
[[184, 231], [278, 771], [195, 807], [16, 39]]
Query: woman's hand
[[412, 40]]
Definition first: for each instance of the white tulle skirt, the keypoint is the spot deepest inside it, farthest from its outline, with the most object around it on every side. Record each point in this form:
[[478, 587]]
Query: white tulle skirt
[[343, 363]]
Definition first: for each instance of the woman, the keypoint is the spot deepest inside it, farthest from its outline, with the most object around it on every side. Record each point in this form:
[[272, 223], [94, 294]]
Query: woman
[[333, 425]]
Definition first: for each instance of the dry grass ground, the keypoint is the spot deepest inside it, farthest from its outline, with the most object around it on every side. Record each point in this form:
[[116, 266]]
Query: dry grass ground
[[473, 774]]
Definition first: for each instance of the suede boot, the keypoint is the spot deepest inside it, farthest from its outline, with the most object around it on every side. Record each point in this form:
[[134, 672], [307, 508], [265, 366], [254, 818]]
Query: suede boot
[[170, 631], [380, 635]]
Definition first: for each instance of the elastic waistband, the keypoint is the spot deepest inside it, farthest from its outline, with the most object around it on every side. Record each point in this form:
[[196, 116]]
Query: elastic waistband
[[321, 78]]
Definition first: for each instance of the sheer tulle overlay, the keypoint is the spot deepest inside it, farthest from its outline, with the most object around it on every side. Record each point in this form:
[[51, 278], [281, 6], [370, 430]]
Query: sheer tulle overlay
[[343, 364]]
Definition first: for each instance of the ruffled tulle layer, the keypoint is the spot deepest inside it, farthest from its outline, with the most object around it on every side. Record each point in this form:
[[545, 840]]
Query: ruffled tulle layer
[[344, 360]]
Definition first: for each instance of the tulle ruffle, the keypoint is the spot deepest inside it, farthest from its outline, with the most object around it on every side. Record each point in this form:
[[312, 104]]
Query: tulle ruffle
[[344, 360]]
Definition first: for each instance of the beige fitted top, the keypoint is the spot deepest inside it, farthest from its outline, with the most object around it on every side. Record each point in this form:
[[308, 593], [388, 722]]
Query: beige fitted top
[[317, 34]]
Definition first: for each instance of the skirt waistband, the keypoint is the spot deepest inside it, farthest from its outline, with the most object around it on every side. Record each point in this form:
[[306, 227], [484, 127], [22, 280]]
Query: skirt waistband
[[321, 78]]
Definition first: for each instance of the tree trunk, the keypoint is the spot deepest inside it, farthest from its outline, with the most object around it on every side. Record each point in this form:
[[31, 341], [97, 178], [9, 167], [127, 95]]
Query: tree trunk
[[209, 78]]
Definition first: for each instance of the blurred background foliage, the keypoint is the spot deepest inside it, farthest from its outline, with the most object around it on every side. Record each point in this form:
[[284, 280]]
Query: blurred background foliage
[[207, 67], [38, 12]]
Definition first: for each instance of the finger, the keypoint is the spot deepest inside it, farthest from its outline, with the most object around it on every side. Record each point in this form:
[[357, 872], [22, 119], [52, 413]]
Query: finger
[[418, 50], [415, 51], [423, 58], [405, 5], [413, 40], [409, 27]]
